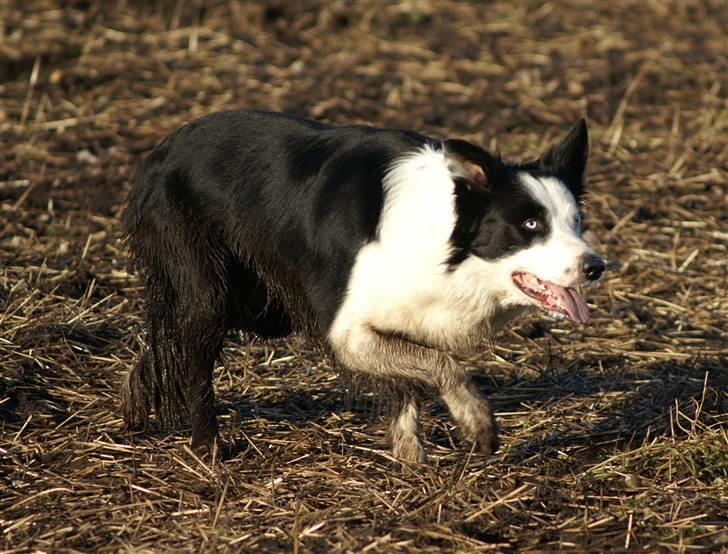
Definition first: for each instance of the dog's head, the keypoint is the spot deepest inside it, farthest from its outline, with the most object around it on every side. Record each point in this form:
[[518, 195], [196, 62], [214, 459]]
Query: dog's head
[[521, 224]]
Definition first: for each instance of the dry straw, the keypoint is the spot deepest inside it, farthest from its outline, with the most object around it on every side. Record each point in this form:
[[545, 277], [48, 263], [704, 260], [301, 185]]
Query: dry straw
[[614, 435]]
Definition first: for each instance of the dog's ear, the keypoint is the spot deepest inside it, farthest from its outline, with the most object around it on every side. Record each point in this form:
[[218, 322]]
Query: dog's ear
[[471, 163], [568, 158]]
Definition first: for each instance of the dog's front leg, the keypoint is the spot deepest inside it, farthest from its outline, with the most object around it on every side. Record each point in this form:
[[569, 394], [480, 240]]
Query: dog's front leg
[[472, 412], [405, 428], [392, 356]]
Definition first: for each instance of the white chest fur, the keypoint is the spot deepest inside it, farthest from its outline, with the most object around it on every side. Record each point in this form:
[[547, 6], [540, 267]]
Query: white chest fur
[[400, 282]]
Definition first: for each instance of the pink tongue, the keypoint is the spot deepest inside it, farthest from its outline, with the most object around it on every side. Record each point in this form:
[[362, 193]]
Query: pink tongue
[[572, 302]]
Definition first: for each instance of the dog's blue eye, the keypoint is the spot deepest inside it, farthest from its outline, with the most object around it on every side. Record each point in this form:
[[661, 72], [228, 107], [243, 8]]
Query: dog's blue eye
[[577, 221], [532, 225]]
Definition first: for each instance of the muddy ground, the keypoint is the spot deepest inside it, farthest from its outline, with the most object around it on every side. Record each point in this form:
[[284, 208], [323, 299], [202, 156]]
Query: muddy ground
[[614, 434]]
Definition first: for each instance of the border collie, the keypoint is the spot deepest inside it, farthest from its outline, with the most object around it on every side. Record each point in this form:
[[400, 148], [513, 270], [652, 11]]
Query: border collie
[[387, 247]]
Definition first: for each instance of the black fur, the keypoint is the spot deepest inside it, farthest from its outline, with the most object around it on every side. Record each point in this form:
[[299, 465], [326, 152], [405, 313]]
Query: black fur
[[489, 224], [245, 220], [489, 220], [566, 160]]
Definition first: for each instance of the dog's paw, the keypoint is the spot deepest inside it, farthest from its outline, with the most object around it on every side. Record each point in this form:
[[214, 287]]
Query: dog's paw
[[486, 440], [481, 430], [205, 440], [409, 450]]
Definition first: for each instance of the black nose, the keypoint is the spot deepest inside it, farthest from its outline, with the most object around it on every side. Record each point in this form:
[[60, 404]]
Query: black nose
[[593, 267]]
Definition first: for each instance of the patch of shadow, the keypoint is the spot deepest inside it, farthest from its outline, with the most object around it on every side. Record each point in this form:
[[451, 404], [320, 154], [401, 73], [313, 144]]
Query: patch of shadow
[[294, 406], [9, 401], [96, 339], [476, 532], [75, 285], [646, 408], [26, 393]]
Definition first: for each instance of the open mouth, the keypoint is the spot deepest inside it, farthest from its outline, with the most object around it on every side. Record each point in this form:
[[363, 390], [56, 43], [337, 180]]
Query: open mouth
[[557, 301]]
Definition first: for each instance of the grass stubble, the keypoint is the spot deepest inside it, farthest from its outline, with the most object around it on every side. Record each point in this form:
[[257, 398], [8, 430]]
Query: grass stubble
[[614, 435]]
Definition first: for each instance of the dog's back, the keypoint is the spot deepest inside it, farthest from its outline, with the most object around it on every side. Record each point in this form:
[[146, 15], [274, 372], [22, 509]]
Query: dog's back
[[215, 183]]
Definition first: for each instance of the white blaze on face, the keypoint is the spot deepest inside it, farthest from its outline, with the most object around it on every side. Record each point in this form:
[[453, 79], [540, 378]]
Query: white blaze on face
[[559, 257], [555, 258]]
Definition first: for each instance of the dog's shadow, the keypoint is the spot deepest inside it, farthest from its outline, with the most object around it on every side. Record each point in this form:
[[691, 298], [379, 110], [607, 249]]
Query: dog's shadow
[[613, 409], [299, 411], [625, 406]]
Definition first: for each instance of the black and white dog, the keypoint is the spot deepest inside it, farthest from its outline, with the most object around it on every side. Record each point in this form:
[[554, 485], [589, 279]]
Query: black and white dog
[[388, 247]]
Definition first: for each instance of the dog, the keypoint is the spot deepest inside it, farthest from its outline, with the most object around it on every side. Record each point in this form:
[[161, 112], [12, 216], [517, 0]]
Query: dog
[[387, 247]]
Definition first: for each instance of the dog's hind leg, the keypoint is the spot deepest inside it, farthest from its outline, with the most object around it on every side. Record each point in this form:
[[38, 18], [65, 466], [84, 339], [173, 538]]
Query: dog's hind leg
[[391, 356], [175, 374], [188, 300], [201, 340]]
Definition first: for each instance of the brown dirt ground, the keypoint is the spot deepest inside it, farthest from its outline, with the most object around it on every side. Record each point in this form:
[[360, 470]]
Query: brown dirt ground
[[614, 434]]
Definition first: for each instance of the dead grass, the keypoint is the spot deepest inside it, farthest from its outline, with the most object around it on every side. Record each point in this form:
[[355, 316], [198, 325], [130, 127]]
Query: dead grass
[[614, 435]]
